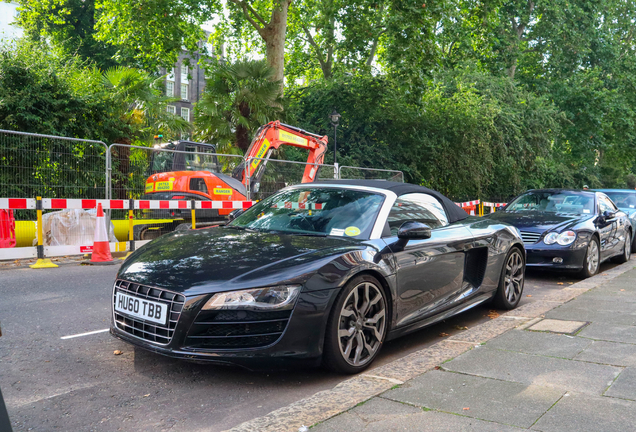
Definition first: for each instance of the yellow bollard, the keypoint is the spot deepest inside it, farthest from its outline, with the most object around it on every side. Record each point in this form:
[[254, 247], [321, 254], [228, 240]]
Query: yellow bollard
[[194, 220], [41, 262], [131, 231]]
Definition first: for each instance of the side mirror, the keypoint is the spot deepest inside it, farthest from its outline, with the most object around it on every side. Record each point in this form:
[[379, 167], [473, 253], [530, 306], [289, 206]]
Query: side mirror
[[234, 214], [414, 231], [608, 214]]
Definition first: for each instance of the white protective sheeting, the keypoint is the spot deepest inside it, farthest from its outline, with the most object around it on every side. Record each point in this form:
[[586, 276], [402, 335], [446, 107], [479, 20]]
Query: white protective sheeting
[[71, 227]]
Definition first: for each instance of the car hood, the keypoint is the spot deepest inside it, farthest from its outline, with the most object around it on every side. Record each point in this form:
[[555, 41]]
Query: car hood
[[534, 221], [222, 259]]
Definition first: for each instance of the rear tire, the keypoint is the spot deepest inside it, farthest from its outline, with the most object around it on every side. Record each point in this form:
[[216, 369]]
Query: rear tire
[[511, 280], [357, 326], [592, 260], [627, 250]]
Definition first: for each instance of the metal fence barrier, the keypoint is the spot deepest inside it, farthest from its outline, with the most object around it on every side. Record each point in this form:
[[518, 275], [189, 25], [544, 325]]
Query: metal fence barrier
[[360, 173], [279, 174], [130, 166], [35, 164], [73, 173]]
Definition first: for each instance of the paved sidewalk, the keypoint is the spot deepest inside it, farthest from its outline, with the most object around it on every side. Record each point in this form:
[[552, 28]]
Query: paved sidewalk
[[573, 369]]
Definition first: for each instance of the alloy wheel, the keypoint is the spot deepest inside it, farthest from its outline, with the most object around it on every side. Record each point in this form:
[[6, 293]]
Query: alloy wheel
[[592, 257], [628, 247], [362, 324], [513, 279]]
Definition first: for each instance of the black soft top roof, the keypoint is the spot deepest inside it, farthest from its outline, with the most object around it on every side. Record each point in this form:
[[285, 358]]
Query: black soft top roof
[[454, 212]]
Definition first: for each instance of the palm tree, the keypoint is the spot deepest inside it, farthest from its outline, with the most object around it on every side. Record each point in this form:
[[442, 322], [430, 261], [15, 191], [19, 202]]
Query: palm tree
[[139, 103], [238, 98]]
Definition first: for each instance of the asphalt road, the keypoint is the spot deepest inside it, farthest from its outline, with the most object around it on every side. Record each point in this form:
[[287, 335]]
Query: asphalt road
[[78, 384]]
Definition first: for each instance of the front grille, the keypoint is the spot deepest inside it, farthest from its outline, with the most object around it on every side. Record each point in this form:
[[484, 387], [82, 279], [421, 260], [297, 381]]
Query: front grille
[[150, 331], [237, 329], [530, 237]]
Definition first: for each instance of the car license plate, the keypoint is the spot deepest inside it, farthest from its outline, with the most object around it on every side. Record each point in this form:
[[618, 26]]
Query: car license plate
[[141, 308]]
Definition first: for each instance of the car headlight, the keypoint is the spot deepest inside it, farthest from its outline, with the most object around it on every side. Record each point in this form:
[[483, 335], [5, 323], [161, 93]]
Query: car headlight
[[564, 239], [278, 297], [551, 238]]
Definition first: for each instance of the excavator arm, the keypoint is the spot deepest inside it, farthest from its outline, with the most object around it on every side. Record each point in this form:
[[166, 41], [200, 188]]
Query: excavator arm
[[270, 137]]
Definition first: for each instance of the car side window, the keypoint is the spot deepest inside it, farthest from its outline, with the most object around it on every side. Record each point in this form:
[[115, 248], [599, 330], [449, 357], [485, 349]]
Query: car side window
[[605, 204], [416, 207]]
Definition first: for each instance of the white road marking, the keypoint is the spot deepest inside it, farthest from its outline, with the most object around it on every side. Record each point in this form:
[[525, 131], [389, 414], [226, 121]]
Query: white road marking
[[84, 334]]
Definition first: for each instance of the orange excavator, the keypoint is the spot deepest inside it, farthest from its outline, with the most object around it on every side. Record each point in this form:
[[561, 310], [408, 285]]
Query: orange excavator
[[193, 172]]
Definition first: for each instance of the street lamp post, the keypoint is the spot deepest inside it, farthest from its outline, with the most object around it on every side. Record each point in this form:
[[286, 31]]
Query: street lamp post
[[335, 119]]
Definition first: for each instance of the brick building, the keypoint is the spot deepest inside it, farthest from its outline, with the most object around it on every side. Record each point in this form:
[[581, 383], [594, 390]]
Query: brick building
[[186, 80]]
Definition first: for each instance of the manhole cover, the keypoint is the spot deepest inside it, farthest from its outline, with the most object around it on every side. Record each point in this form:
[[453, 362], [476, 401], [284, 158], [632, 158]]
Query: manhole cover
[[558, 326]]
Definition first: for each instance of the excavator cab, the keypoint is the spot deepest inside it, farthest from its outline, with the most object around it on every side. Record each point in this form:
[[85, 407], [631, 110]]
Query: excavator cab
[[198, 157]]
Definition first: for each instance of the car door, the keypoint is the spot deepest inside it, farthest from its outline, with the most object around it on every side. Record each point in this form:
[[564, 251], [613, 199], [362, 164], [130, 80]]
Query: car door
[[430, 271], [607, 226]]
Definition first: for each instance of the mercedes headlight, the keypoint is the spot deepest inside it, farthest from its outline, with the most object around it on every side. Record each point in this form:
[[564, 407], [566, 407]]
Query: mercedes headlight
[[269, 298], [564, 239]]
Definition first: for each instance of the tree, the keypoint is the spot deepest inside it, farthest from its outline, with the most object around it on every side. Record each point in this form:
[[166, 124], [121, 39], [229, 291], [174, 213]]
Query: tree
[[69, 25], [238, 99], [155, 31], [272, 30], [335, 36], [137, 100]]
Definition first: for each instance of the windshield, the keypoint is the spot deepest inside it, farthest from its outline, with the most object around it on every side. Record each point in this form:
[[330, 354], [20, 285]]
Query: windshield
[[625, 200], [196, 159], [554, 202], [315, 211]]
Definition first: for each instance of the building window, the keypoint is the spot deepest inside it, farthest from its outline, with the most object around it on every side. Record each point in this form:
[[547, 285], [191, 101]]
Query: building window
[[169, 88], [171, 109], [184, 72], [170, 73], [184, 92], [185, 113]]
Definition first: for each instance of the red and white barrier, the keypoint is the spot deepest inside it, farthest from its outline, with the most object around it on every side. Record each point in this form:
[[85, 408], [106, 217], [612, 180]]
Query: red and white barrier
[[227, 205], [17, 204], [63, 204], [87, 204], [493, 206], [469, 203], [161, 204]]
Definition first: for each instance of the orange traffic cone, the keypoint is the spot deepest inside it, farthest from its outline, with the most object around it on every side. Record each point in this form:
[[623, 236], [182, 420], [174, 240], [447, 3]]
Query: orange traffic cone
[[101, 248]]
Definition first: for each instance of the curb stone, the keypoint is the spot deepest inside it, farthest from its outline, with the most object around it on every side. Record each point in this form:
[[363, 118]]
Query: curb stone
[[349, 393]]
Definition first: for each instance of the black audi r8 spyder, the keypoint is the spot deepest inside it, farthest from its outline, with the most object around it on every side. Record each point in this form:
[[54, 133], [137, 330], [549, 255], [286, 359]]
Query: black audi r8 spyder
[[569, 229], [322, 272]]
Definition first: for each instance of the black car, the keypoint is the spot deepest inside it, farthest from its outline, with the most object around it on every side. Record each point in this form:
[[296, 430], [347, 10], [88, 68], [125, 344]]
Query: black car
[[322, 272], [569, 229]]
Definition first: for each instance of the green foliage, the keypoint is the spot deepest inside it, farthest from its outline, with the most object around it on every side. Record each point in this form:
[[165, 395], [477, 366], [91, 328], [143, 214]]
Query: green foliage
[[469, 135], [41, 92], [153, 32], [69, 25], [238, 99]]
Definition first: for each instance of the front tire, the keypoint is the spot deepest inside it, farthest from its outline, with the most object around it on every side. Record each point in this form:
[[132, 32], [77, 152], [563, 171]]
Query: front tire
[[592, 260], [511, 280], [627, 250], [357, 326]]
